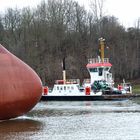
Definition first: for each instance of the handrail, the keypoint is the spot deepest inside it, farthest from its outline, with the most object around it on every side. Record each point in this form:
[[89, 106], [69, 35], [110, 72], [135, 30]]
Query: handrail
[[97, 60], [68, 81]]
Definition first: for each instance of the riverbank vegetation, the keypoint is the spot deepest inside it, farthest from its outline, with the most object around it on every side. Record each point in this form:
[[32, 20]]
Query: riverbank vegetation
[[136, 89], [55, 29]]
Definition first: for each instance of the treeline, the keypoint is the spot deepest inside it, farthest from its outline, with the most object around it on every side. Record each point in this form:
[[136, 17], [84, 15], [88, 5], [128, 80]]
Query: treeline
[[43, 36]]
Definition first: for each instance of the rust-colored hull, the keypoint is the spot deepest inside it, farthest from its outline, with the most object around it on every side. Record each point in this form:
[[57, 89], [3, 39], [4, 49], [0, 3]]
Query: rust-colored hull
[[20, 86]]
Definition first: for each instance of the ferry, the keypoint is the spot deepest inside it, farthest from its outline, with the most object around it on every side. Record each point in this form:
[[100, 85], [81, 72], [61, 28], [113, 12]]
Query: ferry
[[100, 86]]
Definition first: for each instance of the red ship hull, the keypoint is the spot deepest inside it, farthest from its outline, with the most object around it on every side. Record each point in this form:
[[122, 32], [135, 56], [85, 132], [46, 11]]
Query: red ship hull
[[20, 86]]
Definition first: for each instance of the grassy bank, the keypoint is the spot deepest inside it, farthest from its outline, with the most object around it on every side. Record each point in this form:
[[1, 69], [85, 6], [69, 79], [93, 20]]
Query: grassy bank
[[136, 89]]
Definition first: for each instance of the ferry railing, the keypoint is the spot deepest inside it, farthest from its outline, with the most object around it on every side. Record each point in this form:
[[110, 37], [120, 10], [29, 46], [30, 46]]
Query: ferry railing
[[73, 81], [68, 81], [97, 60]]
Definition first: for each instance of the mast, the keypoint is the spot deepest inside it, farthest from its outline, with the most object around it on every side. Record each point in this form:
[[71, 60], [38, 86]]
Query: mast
[[64, 71], [102, 46]]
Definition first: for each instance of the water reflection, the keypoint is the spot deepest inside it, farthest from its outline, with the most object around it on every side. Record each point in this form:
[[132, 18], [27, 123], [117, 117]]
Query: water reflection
[[12, 129], [76, 120], [61, 109], [136, 100], [57, 112]]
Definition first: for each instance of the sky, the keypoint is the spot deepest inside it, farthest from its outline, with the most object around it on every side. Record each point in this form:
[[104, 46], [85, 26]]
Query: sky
[[127, 11]]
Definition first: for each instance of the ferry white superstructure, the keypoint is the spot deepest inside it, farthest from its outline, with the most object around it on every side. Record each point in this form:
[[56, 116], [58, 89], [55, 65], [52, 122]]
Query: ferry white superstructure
[[98, 87]]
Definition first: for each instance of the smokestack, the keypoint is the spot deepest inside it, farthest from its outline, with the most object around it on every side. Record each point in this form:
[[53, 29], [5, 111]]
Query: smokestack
[[63, 64]]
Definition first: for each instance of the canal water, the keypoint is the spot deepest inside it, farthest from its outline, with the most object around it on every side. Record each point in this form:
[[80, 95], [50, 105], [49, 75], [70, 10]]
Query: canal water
[[88, 120]]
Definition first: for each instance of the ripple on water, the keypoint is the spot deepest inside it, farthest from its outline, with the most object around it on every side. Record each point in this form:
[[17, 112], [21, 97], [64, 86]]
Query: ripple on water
[[76, 120]]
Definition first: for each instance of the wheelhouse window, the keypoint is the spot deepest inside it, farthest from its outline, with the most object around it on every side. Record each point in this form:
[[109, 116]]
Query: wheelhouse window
[[93, 70], [100, 71], [106, 69]]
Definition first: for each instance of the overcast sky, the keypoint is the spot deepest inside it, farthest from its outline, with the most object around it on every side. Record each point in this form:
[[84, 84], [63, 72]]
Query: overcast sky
[[127, 11]]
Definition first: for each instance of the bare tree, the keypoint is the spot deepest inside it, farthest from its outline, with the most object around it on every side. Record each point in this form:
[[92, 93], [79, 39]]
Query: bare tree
[[62, 28], [97, 8]]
